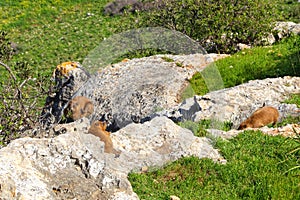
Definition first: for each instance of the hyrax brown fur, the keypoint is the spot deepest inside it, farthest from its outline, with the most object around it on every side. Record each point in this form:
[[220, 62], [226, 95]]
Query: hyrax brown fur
[[98, 128], [81, 106], [261, 117]]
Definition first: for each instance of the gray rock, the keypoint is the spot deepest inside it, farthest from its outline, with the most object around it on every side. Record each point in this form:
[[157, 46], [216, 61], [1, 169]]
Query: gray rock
[[131, 91], [63, 91], [74, 165], [237, 103], [283, 29], [189, 107]]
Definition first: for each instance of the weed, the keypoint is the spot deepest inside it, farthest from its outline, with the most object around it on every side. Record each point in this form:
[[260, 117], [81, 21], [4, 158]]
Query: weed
[[167, 59]]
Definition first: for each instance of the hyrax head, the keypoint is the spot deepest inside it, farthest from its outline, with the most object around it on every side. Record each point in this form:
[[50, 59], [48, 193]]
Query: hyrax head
[[244, 125], [101, 125], [81, 106]]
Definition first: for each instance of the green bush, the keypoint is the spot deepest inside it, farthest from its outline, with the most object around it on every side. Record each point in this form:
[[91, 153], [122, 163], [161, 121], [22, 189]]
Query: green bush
[[290, 10], [223, 22]]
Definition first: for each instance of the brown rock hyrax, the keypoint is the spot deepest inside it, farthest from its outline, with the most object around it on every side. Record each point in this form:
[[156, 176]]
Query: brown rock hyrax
[[98, 129], [261, 117], [80, 106]]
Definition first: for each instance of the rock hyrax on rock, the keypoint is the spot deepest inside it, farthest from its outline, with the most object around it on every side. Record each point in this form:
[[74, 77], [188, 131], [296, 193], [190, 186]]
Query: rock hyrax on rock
[[261, 117], [81, 106], [98, 128]]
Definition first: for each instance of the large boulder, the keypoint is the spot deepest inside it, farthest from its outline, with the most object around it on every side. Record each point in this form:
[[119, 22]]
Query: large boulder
[[129, 91], [235, 104], [74, 165]]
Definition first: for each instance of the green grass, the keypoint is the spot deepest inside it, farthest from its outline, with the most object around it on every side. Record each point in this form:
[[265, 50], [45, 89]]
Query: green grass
[[199, 128], [282, 59], [294, 99], [52, 32], [255, 169]]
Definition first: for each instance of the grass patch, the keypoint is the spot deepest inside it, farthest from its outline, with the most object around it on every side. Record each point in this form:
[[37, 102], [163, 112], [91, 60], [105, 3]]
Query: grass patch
[[52, 32], [254, 171], [293, 99], [289, 120], [199, 128], [279, 60]]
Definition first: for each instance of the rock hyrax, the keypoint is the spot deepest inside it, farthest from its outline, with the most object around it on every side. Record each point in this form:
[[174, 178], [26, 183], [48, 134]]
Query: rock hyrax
[[98, 129], [261, 117], [81, 106]]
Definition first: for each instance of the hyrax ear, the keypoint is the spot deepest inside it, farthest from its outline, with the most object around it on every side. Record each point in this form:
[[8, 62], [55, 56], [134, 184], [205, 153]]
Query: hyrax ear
[[88, 108], [102, 125], [73, 105], [96, 124]]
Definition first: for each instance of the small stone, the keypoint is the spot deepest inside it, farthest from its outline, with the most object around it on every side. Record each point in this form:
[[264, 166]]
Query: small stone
[[144, 169], [173, 197]]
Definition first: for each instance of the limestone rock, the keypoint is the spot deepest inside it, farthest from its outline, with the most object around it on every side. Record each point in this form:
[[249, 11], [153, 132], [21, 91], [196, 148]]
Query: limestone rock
[[131, 91], [63, 92], [74, 165], [283, 29], [237, 103], [290, 130]]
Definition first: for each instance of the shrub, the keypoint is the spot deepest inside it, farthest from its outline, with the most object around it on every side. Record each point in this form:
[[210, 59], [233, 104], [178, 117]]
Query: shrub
[[19, 95], [223, 23], [290, 10], [5, 47]]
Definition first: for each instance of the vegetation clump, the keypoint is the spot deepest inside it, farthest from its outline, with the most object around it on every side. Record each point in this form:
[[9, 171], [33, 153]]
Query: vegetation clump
[[218, 25]]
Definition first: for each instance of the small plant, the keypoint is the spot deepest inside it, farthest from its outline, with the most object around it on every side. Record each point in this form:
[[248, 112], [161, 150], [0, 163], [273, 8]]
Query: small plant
[[188, 92], [198, 128], [167, 59], [179, 64], [20, 94]]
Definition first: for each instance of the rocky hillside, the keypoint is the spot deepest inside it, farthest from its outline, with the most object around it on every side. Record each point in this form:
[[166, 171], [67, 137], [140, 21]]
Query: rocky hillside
[[140, 99]]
